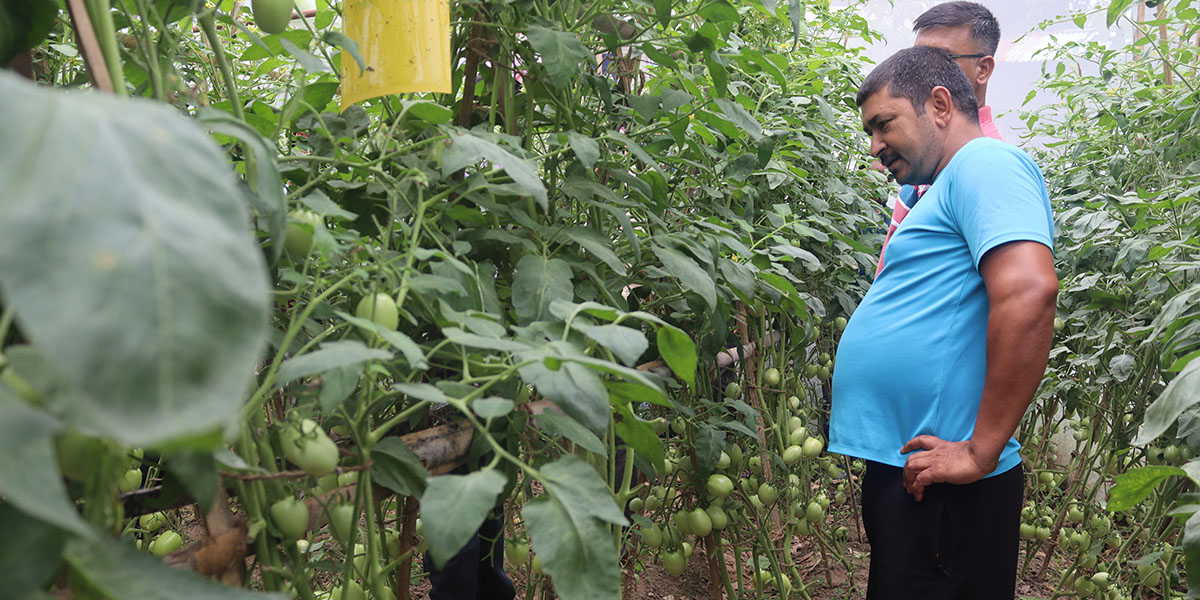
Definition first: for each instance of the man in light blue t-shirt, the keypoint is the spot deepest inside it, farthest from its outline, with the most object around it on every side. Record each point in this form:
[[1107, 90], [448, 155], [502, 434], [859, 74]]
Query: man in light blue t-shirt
[[944, 354]]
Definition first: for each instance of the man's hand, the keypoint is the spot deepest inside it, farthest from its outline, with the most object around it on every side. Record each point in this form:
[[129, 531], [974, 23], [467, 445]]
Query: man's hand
[[941, 462]]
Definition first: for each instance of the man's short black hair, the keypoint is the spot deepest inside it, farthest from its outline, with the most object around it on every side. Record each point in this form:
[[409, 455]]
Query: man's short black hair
[[985, 31], [913, 73]]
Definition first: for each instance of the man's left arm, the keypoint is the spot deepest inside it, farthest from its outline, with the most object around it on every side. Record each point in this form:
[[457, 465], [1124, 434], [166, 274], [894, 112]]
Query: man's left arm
[[1022, 290]]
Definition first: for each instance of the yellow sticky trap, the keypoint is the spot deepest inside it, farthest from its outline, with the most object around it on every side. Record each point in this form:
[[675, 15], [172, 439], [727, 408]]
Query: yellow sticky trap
[[405, 44]]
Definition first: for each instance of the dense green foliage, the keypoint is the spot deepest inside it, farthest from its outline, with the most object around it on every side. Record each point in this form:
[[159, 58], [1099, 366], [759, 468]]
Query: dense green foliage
[[620, 192]]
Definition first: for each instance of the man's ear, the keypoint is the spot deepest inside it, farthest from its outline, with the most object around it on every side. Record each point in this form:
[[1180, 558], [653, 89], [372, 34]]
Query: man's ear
[[984, 68], [940, 105]]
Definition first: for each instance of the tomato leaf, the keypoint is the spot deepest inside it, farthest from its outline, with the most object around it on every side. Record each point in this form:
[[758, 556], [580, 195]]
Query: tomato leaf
[[126, 252], [679, 352], [537, 283], [1133, 486], [640, 436], [1181, 394], [29, 481], [332, 355], [33, 558], [626, 343], [561, 52], [567, 526], [397, 468], [691, 276], [468, 149], [454, 506], [555, 425], [122, 572]]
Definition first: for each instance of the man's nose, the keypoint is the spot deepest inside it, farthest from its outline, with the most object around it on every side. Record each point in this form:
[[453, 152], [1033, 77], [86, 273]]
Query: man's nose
[[877, 145]]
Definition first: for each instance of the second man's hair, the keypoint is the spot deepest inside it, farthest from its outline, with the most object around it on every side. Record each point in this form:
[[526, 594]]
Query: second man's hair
[[985, 31], [912, 73]]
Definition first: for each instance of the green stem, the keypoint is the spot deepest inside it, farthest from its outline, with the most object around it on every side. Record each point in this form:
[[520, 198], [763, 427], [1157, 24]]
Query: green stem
[[105, 29], [208, 24]]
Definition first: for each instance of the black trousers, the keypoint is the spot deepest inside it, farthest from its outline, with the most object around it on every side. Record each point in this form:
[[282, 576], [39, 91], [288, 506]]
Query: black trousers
[[960, 542]]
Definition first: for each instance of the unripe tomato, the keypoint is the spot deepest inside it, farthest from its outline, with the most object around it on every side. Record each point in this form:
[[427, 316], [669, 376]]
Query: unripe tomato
[[1074, 514], [823, 373], [733, 390], [794, 423], [802, 527], [165, 543], [720, 486], [678, 425], [756, 465], [341, 521], [653, 503], [298, 237], [537, 565], [1043, 533], [272, 16], [347, 478], [1172, 455], [308, 447], [685, 548], [290, 517], [1100, 580], [683, 521], [824, 358], [841, 533], [349, 590], [130, 481], [767, 493], [1028, 531], [811, 370], [792, 455], [152, 521], [302, 546], [518, 551], [636, 504], [813, 447], [814, 513], [797, 436], [77, 454], [1084, 587], [718, 517], [701, 523], [771, 377], [1059, 324], [381, 309], [723, 461], [735, 456], [671, 536], [794, 402], [840, 323], [652, 536], [659, 426], [674, 563]]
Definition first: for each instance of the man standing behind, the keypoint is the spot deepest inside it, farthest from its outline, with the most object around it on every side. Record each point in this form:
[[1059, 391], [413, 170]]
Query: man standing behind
[[971, 276], [970, 33]]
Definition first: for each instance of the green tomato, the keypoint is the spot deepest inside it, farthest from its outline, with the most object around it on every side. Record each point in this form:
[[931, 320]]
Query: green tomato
[[686, 549], [720, 486], [1074, 514], [381, 309], [652, 536], [735, 456], [771, 377], [518, 551], [794, 402], [537, 565], [811, 370], [792, 455], [347, 478], [636, 504], [674, 563], [130, 481], [78, 455], [718, 517], [272, 16], [290, 517], [1100, 580], [307, 446], [840, 323], [683, 520], [298, 237], [767, 493], [653, 503], [341, 521], [659, 426], [349, 590], [813, 447], [814, 513], [1043, 533], [797, 436], [733, 390], [152, 521], [1059, 324], [1028, 531], [723, 461], [165, 543], [701, 523], [823, 373]]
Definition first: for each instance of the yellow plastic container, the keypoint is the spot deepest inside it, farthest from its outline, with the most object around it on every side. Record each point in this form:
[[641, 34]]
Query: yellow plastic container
[[405, 44]]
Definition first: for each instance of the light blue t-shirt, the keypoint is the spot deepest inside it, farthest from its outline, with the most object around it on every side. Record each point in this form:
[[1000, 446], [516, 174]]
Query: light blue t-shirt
[[912, 359]]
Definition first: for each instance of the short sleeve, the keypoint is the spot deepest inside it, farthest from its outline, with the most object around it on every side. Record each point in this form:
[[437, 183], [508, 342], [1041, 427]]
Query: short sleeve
[[999, 196]]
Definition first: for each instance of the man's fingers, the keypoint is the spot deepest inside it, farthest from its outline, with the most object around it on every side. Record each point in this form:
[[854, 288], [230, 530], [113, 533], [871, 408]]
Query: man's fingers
[[921, 442]]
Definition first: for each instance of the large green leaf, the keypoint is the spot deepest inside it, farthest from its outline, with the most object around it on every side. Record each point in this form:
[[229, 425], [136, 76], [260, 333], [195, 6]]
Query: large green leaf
[[1181, 394], [1115, 9], [639, 435], [561, 53], [29, 481], [538, 282], [122, 572], [467, 149], [332, 355], [397, 468], [126, 251], [569, 534], [575, 388], [679, 352], [454, 506], [30, 554], [691, 276], [625, 342], [740, 116], [1133, 486], [556, 425]]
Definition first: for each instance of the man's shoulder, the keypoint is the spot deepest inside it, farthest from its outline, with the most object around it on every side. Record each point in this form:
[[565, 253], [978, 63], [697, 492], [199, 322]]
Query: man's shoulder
[[992, 156]]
